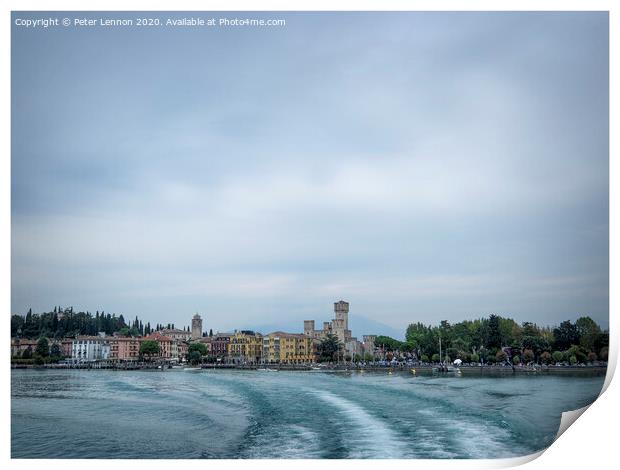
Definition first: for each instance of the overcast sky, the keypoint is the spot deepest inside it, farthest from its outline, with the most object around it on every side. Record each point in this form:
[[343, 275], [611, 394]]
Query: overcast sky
[[421, 166]]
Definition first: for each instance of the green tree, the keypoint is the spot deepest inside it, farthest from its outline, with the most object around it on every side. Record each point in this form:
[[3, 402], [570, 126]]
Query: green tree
[[516, 359], [462, 337], [424, 358], [435, 358], [565, 335], [415, 334], [194, 357], [201, 348], [422, 339], [124, 331], [55, 350], [446, 334], [588, 332], [536, 344], [388, 344], [530, 329], [475, 358], [329, 348], [510, 331], [149, 348], [495, 337], [557, 356], [17, 325], [27, 354], [43, 348], [578, 352]]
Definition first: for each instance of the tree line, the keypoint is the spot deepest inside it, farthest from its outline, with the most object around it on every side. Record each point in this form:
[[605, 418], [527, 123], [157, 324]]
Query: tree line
[[64, 322], [497, 339]]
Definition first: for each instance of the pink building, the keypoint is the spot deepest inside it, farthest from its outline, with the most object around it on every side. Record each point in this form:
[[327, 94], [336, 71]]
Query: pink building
[[18, 346], [165, 344], [125, 349], [67, 347]]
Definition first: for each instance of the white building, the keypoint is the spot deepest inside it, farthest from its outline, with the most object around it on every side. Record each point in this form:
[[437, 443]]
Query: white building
[[90, 348]]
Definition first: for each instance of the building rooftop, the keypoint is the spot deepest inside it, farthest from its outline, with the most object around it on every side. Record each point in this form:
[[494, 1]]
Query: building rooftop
[[93, 338], [157, 336], [174, 331], [282, 333], [219, 335], [23, 341]]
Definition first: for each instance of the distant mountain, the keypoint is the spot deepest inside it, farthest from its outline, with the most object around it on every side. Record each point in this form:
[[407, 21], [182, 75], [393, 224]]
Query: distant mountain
[[365, 326], [359, 326]]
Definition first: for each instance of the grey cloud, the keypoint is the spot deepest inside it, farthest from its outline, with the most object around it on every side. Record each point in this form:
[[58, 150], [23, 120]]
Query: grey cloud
[[423, 166]]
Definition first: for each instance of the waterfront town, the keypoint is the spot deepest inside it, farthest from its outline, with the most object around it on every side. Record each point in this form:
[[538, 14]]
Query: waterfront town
[[172, 345], [63, 338]]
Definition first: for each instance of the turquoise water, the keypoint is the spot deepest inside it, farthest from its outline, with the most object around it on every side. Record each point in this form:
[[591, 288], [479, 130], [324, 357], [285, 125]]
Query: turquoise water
[[253, 414]]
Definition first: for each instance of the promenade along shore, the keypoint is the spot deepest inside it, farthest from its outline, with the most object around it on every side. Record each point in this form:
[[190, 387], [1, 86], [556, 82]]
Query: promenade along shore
[[409, 369]]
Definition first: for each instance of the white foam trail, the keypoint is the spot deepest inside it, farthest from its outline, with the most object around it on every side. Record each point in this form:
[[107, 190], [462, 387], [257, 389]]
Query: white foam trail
[[288, 442], [364, 435]]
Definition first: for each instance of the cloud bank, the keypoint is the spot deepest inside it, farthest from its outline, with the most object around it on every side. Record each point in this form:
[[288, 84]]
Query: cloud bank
[[422, 166]]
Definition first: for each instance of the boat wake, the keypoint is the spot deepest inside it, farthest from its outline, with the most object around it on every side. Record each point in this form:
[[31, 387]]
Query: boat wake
[[365, 436]]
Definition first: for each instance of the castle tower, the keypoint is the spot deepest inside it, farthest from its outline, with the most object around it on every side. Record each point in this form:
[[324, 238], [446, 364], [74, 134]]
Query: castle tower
[[309, 327], [341, 309], [196, 327]]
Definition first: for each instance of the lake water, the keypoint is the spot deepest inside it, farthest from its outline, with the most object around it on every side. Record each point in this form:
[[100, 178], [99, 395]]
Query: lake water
[[253, 414]]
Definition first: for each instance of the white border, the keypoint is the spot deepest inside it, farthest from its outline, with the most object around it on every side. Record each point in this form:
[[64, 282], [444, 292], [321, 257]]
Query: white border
[[588, 444]]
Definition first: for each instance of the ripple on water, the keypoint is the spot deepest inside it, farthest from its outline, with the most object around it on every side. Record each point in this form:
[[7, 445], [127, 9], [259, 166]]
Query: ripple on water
[[231, 414]]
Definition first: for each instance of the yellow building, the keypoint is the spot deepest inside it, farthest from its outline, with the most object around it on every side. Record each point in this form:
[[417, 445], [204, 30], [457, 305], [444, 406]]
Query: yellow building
[[245, 347], [288, 348]]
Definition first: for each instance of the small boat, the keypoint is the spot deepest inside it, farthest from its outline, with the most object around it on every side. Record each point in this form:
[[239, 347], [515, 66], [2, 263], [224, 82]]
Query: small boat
[[192, 369]]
